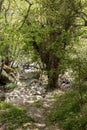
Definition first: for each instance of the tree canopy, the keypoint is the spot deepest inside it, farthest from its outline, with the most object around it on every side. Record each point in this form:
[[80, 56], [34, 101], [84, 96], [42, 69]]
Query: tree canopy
[[48, 27]]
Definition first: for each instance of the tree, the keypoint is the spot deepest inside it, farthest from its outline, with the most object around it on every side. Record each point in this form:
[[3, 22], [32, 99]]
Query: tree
[[50, 26], [53, 30]]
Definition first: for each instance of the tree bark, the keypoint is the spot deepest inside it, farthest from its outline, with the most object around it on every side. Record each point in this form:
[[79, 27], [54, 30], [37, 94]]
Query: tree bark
[[53, 72], [51, 62], [53, 80], [1, 67]]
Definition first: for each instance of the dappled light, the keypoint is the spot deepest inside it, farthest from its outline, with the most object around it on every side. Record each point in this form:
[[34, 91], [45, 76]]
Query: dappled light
[[43, 65]]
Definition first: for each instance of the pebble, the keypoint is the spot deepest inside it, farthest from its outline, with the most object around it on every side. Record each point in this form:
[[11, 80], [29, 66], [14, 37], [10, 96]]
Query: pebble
[[25, 95]]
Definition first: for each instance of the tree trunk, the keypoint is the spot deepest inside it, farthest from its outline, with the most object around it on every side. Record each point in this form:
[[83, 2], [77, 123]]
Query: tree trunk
[[53, 79], [52, 64], [1, 68], [53, 73]]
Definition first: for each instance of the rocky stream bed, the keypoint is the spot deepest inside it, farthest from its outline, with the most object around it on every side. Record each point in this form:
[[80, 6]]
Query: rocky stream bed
[[31, 93]]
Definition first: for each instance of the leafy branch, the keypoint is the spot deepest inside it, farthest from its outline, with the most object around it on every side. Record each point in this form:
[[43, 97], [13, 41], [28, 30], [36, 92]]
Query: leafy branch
[[27, 13]]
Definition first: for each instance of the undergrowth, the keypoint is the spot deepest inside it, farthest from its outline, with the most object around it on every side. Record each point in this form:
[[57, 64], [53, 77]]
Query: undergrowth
[[13, 116], [69, 112], [11, 86]]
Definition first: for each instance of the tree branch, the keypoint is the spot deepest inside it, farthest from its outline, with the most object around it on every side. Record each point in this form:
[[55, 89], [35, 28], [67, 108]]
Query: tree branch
[[6, 10], [79, 11], [26, 16]]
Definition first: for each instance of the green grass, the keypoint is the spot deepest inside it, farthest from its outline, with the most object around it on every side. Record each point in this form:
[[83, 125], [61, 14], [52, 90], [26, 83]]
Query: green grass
[[13, 116], [38, 104], [11, 86], [68, 112]]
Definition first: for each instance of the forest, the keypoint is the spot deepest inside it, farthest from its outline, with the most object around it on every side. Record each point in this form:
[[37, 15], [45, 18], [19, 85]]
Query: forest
[[43, 65]]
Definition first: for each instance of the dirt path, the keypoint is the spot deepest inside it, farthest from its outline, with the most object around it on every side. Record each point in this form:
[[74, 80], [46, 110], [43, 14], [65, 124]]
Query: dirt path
[[38, 111]]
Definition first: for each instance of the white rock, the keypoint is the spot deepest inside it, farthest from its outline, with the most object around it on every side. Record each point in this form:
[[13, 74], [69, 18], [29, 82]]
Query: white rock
[[19, 83], [38, 97]]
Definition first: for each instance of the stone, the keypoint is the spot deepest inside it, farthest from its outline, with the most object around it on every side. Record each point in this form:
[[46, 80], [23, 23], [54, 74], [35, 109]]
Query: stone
[[30, 74], [65, 80], [39, 97], [3, 127], [19, 129], [27, 124], [29, 87], [25, 95], [39, 125]]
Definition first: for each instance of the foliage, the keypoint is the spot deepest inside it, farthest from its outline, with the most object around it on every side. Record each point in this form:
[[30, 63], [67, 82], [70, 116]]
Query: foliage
[[48, 31], [68, 112], [42, 31], [11, 86], [51, 35], [37, 104], [13, 116]]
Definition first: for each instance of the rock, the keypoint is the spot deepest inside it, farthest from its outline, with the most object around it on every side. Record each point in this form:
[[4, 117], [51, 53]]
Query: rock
[[65, 80], [3, 127], [23, 95], [14, 64], [51, 128], [39, 125], [19, 129], [30, 71], [27, 124], [7, 76], [30, 74], [39, 97], [19, 83]]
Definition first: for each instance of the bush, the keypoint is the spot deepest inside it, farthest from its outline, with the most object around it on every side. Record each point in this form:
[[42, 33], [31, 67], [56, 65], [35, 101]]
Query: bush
[[68, 112]]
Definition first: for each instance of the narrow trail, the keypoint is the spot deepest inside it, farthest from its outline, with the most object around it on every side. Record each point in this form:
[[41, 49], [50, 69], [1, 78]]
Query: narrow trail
[[38, 111], [33, 96]]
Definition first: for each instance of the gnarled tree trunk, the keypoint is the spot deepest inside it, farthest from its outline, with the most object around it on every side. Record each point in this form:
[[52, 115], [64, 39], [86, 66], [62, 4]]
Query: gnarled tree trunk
[[53, 71], [53, 79], [52, 63]]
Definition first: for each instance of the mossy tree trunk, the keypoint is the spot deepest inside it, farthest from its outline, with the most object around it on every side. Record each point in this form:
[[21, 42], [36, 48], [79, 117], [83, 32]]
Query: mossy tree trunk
[[51, 62], [53, 72]]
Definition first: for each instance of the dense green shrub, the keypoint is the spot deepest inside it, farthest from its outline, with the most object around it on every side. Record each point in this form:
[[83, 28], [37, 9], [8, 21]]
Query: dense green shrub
[[68, 112]]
